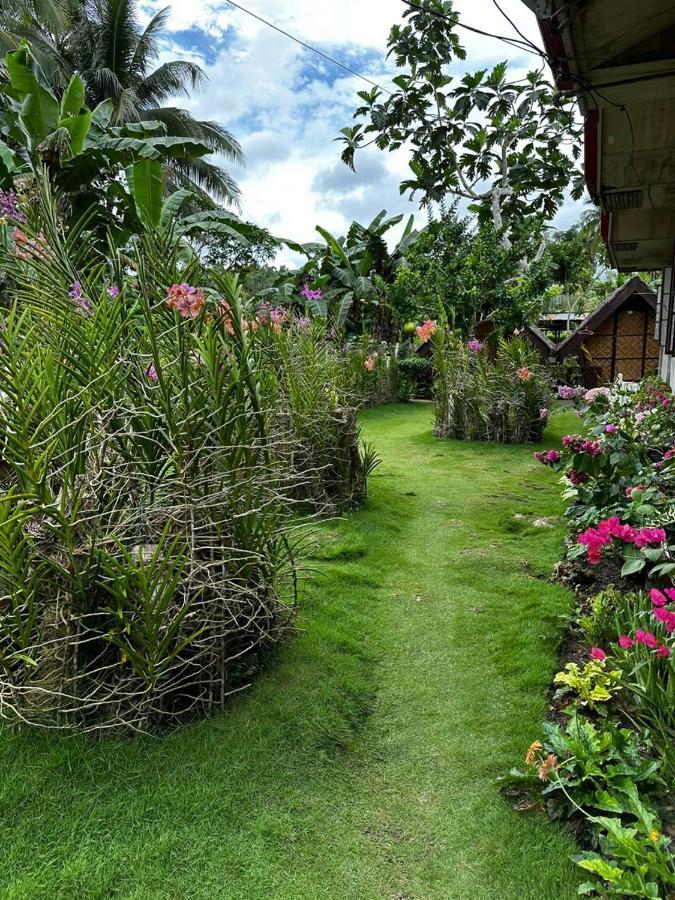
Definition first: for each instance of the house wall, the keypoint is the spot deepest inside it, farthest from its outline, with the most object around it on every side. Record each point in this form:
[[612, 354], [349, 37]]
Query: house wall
[[624, 344], [664, 328]]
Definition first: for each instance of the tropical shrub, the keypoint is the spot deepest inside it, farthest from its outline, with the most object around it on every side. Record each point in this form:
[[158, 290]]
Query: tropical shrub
[[618, 478], [480, 396], [155, 447]]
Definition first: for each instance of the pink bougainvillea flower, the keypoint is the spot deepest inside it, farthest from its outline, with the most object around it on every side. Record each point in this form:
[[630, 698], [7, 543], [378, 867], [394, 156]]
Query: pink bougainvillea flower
[[185, 299], [426, 330], [647, 536], [625, 642], [666, 617], [152, 372], [657, 598]]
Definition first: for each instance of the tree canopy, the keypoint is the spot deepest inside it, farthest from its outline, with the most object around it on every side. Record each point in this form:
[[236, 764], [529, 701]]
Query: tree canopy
[[103, 41], [506, 145]]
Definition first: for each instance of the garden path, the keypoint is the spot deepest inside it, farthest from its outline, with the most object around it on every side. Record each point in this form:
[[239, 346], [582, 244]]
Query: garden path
[[362, 764]]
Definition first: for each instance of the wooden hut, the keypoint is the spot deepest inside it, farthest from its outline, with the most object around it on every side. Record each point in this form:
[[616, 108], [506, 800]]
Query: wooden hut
[[618, 338]]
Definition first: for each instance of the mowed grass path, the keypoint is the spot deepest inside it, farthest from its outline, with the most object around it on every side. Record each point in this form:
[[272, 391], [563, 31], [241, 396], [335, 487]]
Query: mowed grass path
[[362, 763]]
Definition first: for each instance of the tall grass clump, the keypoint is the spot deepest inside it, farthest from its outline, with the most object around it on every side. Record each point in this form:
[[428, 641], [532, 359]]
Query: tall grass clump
[[497, 393], [153, 452]]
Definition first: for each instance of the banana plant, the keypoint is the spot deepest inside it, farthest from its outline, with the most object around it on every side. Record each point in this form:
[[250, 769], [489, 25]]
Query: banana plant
[[83, 154]]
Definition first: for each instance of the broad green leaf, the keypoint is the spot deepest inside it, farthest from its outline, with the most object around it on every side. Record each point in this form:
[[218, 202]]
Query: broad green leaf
[[172, 205], [147, 187], [631, 566], [78, 128], [8, 164], [73, 98], [39, 108]]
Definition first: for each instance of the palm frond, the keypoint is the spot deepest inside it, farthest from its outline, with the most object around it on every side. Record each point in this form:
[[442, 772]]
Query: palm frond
[[147, 47], [180, 122], [202, 176], [178, 76]]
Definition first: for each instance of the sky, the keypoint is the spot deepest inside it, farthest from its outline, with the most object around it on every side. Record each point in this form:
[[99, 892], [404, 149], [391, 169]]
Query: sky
[[286, 105]]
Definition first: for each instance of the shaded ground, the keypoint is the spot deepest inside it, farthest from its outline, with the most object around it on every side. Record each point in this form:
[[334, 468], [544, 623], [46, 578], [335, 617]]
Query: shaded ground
[[362, 765]]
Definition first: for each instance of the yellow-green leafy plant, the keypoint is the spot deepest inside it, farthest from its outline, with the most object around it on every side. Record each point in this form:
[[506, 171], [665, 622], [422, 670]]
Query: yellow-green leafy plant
[[590, 686]]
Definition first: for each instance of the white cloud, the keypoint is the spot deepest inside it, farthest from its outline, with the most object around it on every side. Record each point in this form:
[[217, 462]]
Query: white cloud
[[286, 105]]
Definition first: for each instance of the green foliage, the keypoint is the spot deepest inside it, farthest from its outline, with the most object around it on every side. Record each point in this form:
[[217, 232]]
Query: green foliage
[[471, 273], [495, 141], [105, 44], [351, 273], [480, 398], [607, 779], [154, 457], [591, 686]]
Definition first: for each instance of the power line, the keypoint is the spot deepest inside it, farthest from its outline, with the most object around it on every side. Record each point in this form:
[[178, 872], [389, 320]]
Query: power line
[[308, 46], [454, 20]]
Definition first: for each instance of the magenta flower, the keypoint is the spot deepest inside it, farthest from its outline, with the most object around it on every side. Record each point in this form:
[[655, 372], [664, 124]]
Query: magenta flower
[[566, 392], [657, 598], [553, 456], [670, 593], [309, 294], [152, 372], [663, 651], [625, 642], [475, 346], [640, 636], [113, 291], [610, 429], [9, 207], [647, 536], [597, 653]]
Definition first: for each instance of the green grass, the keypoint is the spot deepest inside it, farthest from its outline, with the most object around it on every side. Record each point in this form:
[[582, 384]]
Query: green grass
[[362, 764]]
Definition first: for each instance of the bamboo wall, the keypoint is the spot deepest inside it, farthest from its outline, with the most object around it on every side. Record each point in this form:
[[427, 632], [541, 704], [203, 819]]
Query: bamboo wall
[[624, 345]]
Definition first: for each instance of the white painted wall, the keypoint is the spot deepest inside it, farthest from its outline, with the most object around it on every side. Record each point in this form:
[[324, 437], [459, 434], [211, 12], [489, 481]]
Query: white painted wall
[[663, 311]]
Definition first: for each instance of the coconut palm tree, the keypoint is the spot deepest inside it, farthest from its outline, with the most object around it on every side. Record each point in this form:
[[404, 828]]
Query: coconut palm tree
[[103, 41]]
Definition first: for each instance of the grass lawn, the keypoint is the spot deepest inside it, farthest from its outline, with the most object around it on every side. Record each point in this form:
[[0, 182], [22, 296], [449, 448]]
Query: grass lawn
[[362, 764]]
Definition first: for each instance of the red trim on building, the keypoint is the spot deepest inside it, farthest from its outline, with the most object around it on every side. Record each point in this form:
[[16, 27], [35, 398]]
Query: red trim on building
[[557, 57]]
